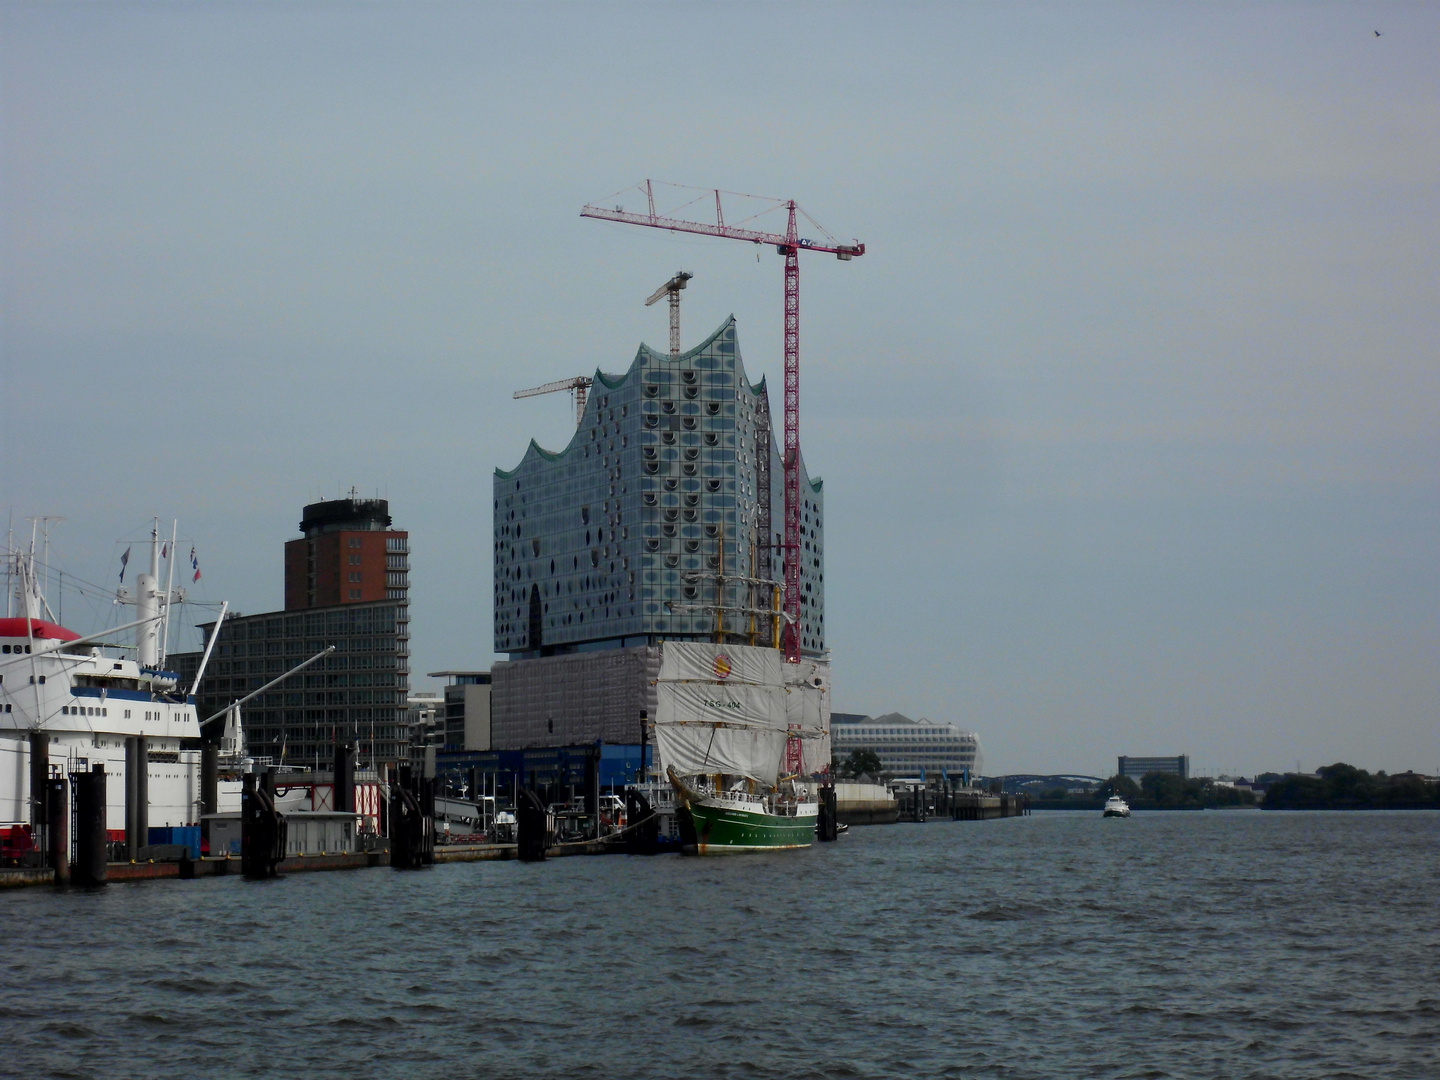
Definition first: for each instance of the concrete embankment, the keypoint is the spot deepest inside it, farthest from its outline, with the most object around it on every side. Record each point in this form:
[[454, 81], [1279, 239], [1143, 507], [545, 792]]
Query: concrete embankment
[[221, 866], [865, 804]]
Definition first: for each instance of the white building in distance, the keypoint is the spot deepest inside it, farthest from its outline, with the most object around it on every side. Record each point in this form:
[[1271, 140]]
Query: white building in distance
[[908, 747]]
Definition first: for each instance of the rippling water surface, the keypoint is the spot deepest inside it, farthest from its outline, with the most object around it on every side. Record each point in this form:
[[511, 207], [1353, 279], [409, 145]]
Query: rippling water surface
[[1240, 944]]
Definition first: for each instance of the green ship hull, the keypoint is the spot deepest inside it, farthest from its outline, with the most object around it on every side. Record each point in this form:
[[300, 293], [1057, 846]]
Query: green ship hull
[[719, 830]]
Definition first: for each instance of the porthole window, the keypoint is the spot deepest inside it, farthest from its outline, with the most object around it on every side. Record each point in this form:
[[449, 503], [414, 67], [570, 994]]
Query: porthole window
[[713, 408], [689, 468], [692, 392], [667, 406], [691, 453], [688, 423], [711, 439], [692, 546], [651, 390]]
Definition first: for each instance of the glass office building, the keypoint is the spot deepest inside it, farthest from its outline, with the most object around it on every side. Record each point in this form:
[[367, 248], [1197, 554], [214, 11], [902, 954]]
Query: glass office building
[[671, 489], [358, 692]]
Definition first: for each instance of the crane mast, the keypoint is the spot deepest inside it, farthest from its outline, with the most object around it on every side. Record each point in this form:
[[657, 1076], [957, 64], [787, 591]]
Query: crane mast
[[788, 244], [672, 289]]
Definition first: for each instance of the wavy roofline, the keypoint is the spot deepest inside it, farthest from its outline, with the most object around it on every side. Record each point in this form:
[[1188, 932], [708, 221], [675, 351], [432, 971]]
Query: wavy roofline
[[613, 381]]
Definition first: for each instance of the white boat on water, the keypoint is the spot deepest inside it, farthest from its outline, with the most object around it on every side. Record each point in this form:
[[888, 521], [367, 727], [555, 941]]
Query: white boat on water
[[79, 700], [1115, 806]]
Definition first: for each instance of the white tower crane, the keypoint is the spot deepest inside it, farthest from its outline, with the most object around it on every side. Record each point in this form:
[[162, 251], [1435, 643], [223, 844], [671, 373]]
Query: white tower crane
[[579, 386], [672, 289]]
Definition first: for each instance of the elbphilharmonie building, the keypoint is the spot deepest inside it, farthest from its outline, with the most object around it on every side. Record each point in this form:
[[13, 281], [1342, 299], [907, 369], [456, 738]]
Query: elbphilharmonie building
[[667, 504]]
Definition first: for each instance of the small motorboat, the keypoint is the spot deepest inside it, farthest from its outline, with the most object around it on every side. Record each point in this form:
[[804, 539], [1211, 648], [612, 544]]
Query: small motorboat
[[1115, 806]]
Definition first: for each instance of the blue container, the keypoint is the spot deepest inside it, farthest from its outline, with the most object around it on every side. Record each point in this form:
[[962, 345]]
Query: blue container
[[189, 835]]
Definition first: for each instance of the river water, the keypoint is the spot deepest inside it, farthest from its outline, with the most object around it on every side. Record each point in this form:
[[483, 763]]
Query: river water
[[1234, 944]]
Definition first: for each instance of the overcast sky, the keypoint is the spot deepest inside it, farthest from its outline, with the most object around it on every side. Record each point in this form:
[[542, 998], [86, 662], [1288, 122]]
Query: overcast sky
[[1127, 418]]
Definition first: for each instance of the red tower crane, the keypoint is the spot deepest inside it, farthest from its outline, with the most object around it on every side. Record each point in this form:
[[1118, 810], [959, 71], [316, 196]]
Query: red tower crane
[[789, 244]]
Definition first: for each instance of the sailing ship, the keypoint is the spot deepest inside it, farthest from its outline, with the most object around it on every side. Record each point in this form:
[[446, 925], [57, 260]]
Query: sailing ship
[[738, 730], [741, 736]]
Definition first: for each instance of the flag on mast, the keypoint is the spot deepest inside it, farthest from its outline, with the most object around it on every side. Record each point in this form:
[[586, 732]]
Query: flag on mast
[[194, 564], [124, 562]]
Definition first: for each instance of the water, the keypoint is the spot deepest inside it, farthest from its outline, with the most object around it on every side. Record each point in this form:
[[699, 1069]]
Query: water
[[1239, 944]]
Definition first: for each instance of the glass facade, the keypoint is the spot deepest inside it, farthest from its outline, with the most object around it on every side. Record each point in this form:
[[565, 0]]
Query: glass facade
[[617, 540], [359, 691]]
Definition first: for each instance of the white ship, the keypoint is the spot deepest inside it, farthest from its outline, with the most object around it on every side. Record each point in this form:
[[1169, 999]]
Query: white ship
[[1115, 806], [85, 696]]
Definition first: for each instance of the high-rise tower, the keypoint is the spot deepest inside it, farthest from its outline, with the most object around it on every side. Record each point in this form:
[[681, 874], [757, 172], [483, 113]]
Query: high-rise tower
[[347, 555]]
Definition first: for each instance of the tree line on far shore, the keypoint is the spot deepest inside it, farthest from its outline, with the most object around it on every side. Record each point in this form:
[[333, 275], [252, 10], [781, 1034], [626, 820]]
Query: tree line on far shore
[[1344, 787], [1155, 791]]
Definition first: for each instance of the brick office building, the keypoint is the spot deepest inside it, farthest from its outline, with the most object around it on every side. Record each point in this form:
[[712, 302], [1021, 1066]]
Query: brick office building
[[348, 554], [346, 585]]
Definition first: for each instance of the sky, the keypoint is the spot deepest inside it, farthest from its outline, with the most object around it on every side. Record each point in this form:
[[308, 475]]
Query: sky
[[1127, 417]]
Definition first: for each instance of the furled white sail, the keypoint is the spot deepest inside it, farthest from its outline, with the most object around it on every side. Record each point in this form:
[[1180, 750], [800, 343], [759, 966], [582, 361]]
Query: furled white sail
[[699, 661], [807, 711], [695, 749], [741, 704]]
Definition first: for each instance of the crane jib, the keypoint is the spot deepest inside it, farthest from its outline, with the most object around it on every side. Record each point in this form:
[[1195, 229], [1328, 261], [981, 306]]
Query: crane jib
[[789, 244]]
